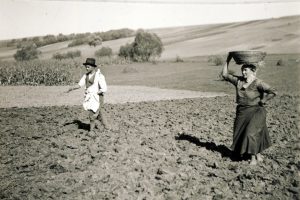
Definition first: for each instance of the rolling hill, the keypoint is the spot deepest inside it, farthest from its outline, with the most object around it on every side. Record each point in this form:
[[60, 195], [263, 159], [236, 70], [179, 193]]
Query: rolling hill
[[274, 36], [278, 35]]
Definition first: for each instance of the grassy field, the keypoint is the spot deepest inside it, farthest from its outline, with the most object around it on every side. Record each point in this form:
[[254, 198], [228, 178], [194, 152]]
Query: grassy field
[[199, 75]]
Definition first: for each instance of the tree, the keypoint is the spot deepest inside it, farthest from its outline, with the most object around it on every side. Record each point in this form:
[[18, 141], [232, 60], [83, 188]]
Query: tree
[[94, 40], [77, 42], [49, 39], [61, 37], [126, 51], [27, 52], [58, 56], [104, 51], [145, 46], [73, 54]]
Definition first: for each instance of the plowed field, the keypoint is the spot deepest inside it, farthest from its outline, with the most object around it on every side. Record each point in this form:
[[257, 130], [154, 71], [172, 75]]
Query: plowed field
[[168, 149]]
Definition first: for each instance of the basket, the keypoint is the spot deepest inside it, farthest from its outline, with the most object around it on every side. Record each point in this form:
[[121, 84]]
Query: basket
[[247, 57]]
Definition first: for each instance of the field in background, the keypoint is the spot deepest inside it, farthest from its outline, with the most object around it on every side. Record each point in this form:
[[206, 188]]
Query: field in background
[[172, 149], [193, 45], [199, 75], [184, 62], [274, 36], [280, 35]]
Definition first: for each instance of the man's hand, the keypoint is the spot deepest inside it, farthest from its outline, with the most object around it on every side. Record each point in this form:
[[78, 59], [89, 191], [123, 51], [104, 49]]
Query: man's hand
[[73, 88], [69, 90]]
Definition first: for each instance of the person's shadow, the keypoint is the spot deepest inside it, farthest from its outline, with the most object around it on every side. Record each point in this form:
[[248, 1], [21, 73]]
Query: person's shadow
[[80, 124], [211, 146]]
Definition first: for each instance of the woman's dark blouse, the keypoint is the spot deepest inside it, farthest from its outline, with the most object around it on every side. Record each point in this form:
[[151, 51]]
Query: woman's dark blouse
[[252, 94]]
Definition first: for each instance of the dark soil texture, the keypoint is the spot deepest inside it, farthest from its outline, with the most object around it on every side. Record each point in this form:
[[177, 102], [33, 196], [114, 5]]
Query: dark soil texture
[[174, 149]]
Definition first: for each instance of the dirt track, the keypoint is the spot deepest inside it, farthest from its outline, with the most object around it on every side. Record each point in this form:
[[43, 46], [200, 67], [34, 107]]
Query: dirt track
[[37, 96], [173, 149]]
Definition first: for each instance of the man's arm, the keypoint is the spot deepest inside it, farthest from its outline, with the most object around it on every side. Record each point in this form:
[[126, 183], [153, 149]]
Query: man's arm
[[75, 87], [80, 84]]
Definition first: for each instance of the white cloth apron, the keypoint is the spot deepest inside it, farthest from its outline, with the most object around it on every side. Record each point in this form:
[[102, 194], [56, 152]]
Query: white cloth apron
[[91, 98], [91, 101]]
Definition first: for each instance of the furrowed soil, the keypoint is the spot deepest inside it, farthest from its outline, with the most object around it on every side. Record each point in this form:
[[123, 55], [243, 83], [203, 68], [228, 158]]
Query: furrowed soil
[[170, 149]]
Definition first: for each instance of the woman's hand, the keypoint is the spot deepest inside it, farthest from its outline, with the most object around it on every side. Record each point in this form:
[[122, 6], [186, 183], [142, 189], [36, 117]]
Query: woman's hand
[[266, 98]]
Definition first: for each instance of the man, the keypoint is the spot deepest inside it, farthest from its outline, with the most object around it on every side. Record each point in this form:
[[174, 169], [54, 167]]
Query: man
[[95, 88]]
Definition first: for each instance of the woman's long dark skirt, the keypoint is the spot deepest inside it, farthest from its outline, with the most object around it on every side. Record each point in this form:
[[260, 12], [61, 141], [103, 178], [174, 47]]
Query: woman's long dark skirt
[[251, 134]]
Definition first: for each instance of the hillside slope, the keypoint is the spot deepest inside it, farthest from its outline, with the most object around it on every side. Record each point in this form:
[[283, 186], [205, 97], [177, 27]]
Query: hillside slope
[[280, 35]]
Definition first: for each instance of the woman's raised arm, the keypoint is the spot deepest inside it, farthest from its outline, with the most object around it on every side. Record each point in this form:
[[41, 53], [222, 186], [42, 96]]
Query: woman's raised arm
[[225, 68]]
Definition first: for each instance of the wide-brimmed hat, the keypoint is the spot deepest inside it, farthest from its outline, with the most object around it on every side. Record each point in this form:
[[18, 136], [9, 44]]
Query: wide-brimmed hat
[[91, 62]]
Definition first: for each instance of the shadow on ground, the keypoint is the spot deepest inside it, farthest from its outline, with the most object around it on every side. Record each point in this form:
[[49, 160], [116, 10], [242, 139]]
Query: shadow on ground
[[80, 124], [211, 146]]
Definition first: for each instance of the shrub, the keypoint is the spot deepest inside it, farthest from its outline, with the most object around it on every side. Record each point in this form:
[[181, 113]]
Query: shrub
[[27, 52], [94, 40], [49, 39], [280, 62], [73, 54], [58, 56], [61, 37], [78, 42], [126, 51], [146, 46], [216, 60], [69, 54], [178, 59], [116, 34], [104, 51]]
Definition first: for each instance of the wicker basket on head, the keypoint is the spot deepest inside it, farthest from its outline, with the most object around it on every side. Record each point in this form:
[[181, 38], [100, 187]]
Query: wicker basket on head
[[247, 57]]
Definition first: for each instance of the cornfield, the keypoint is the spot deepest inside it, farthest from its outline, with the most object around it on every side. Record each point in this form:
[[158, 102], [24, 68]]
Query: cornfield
[[48, 72], [40, 72]]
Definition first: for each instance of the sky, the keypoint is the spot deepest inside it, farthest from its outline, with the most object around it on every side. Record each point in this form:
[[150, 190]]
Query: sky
[[26, 18]]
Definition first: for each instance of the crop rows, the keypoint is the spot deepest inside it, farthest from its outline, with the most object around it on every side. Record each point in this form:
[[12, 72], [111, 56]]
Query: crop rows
[[37, 72], [48, 72]]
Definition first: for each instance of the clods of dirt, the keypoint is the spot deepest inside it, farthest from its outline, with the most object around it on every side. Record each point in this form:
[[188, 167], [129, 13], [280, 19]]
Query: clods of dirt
[[174, 149]]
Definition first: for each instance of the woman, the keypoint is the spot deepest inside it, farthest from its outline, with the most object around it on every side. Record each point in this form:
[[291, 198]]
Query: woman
[[250, 135]]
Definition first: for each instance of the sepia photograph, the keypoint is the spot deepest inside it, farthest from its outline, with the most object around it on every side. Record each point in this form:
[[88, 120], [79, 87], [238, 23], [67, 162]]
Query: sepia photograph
[[149, 99]]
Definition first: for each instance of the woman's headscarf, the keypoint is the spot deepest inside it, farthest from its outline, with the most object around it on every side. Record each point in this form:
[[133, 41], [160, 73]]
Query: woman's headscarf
[[252, 67]]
